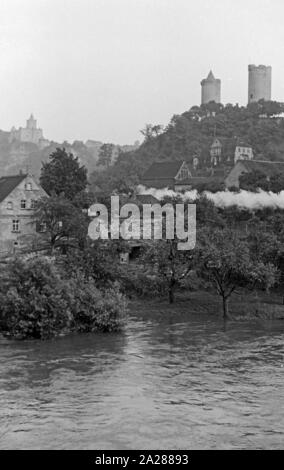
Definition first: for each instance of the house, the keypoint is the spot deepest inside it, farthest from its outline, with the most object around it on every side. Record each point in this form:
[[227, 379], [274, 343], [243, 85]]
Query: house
[[166, 175], [216, 152], [18, 195], [243, 152], [267, 168]]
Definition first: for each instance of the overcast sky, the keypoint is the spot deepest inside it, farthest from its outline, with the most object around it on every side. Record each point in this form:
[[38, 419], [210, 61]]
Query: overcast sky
[[101, 69]]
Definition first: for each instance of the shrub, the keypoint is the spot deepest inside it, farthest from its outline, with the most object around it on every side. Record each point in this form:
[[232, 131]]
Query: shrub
[[97, 310], [33, 300], [36, 301]]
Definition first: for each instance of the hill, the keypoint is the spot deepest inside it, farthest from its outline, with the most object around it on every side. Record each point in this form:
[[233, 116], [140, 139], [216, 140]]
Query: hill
[[260, 125], [16, 155]]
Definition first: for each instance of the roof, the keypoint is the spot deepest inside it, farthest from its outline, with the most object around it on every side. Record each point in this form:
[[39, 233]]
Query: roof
[[161, 170], [210, 76], [216, 143], [146, 199], [8, 184], [244, 145], [266, 167]]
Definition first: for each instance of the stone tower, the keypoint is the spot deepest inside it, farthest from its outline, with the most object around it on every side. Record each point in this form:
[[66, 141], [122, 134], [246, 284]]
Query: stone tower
[[210, 89], [31, 122], [259, 83]]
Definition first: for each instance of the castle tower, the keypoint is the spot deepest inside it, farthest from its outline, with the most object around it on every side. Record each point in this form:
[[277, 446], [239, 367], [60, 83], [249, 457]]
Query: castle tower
[[210, 89], [31, 122], [259, 83]]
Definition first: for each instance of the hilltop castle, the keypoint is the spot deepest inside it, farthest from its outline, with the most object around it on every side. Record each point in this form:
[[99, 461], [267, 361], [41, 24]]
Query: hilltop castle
[[210, 89], [259, 85], [31, 133]]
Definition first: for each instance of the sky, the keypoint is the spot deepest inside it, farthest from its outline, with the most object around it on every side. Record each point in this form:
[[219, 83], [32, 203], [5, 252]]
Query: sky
[[102, 69]]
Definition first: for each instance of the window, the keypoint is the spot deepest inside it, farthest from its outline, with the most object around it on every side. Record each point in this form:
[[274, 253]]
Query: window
[[16, 226], [23, 204], [9, 205], [33, 204], [41, 227], [28, 186]]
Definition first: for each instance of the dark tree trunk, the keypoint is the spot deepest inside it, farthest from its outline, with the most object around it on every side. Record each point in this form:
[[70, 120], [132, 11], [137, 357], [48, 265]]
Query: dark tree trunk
[[172, 292], [225, 308], [171, 295]]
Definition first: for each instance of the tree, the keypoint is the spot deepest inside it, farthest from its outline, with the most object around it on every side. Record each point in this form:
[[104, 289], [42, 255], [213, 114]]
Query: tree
[[63, 174], [168, 263], [150, 131], [277, 183], [98, 261], [105, 155], [226, 262], [60, 220]]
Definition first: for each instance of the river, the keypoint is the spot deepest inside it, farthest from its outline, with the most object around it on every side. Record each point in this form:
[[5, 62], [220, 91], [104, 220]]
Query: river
[[165, 383]]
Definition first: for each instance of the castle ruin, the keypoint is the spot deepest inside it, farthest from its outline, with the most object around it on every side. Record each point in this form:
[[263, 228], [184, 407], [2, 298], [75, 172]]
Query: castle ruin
[[259, 83], [210, 89]]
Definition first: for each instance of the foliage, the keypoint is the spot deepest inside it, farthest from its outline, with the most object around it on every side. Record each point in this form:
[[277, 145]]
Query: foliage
[[62, 221], [98, 261], [225, 260], [105, 155], [97, 310], [254, 181], [34, 301], [169, 264], [63, 174], [37, 301], [257, 180], [192, 132]]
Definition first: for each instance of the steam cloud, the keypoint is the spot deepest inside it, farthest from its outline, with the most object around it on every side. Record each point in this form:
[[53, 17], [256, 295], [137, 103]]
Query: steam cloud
[[243, 199]]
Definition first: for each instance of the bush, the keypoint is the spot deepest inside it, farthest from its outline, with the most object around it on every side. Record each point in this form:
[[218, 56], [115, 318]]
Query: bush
[[36, 301], [96, 310], [141, 285]]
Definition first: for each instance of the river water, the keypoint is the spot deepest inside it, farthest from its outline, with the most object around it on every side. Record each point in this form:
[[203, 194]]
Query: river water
[[165, 383]]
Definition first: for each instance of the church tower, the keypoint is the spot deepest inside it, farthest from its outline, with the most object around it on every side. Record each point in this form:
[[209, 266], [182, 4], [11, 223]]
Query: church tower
[[210, 89]]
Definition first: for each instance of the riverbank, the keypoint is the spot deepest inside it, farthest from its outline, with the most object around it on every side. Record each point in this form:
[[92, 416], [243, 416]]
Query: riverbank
[[243, 306]]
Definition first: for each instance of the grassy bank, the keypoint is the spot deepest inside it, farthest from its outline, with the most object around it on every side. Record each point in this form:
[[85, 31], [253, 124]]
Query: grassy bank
[[242, 306]]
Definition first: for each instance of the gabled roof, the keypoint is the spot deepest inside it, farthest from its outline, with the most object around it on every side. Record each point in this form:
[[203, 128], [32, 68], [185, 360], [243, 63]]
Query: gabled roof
[[161, 170], [266, 167], [8, 184], [216, 143]]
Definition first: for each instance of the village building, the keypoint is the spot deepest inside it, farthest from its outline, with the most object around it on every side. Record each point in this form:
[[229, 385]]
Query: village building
[[243, 152], [18, 196], [215, 152], [172, 175], [267, 168]]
